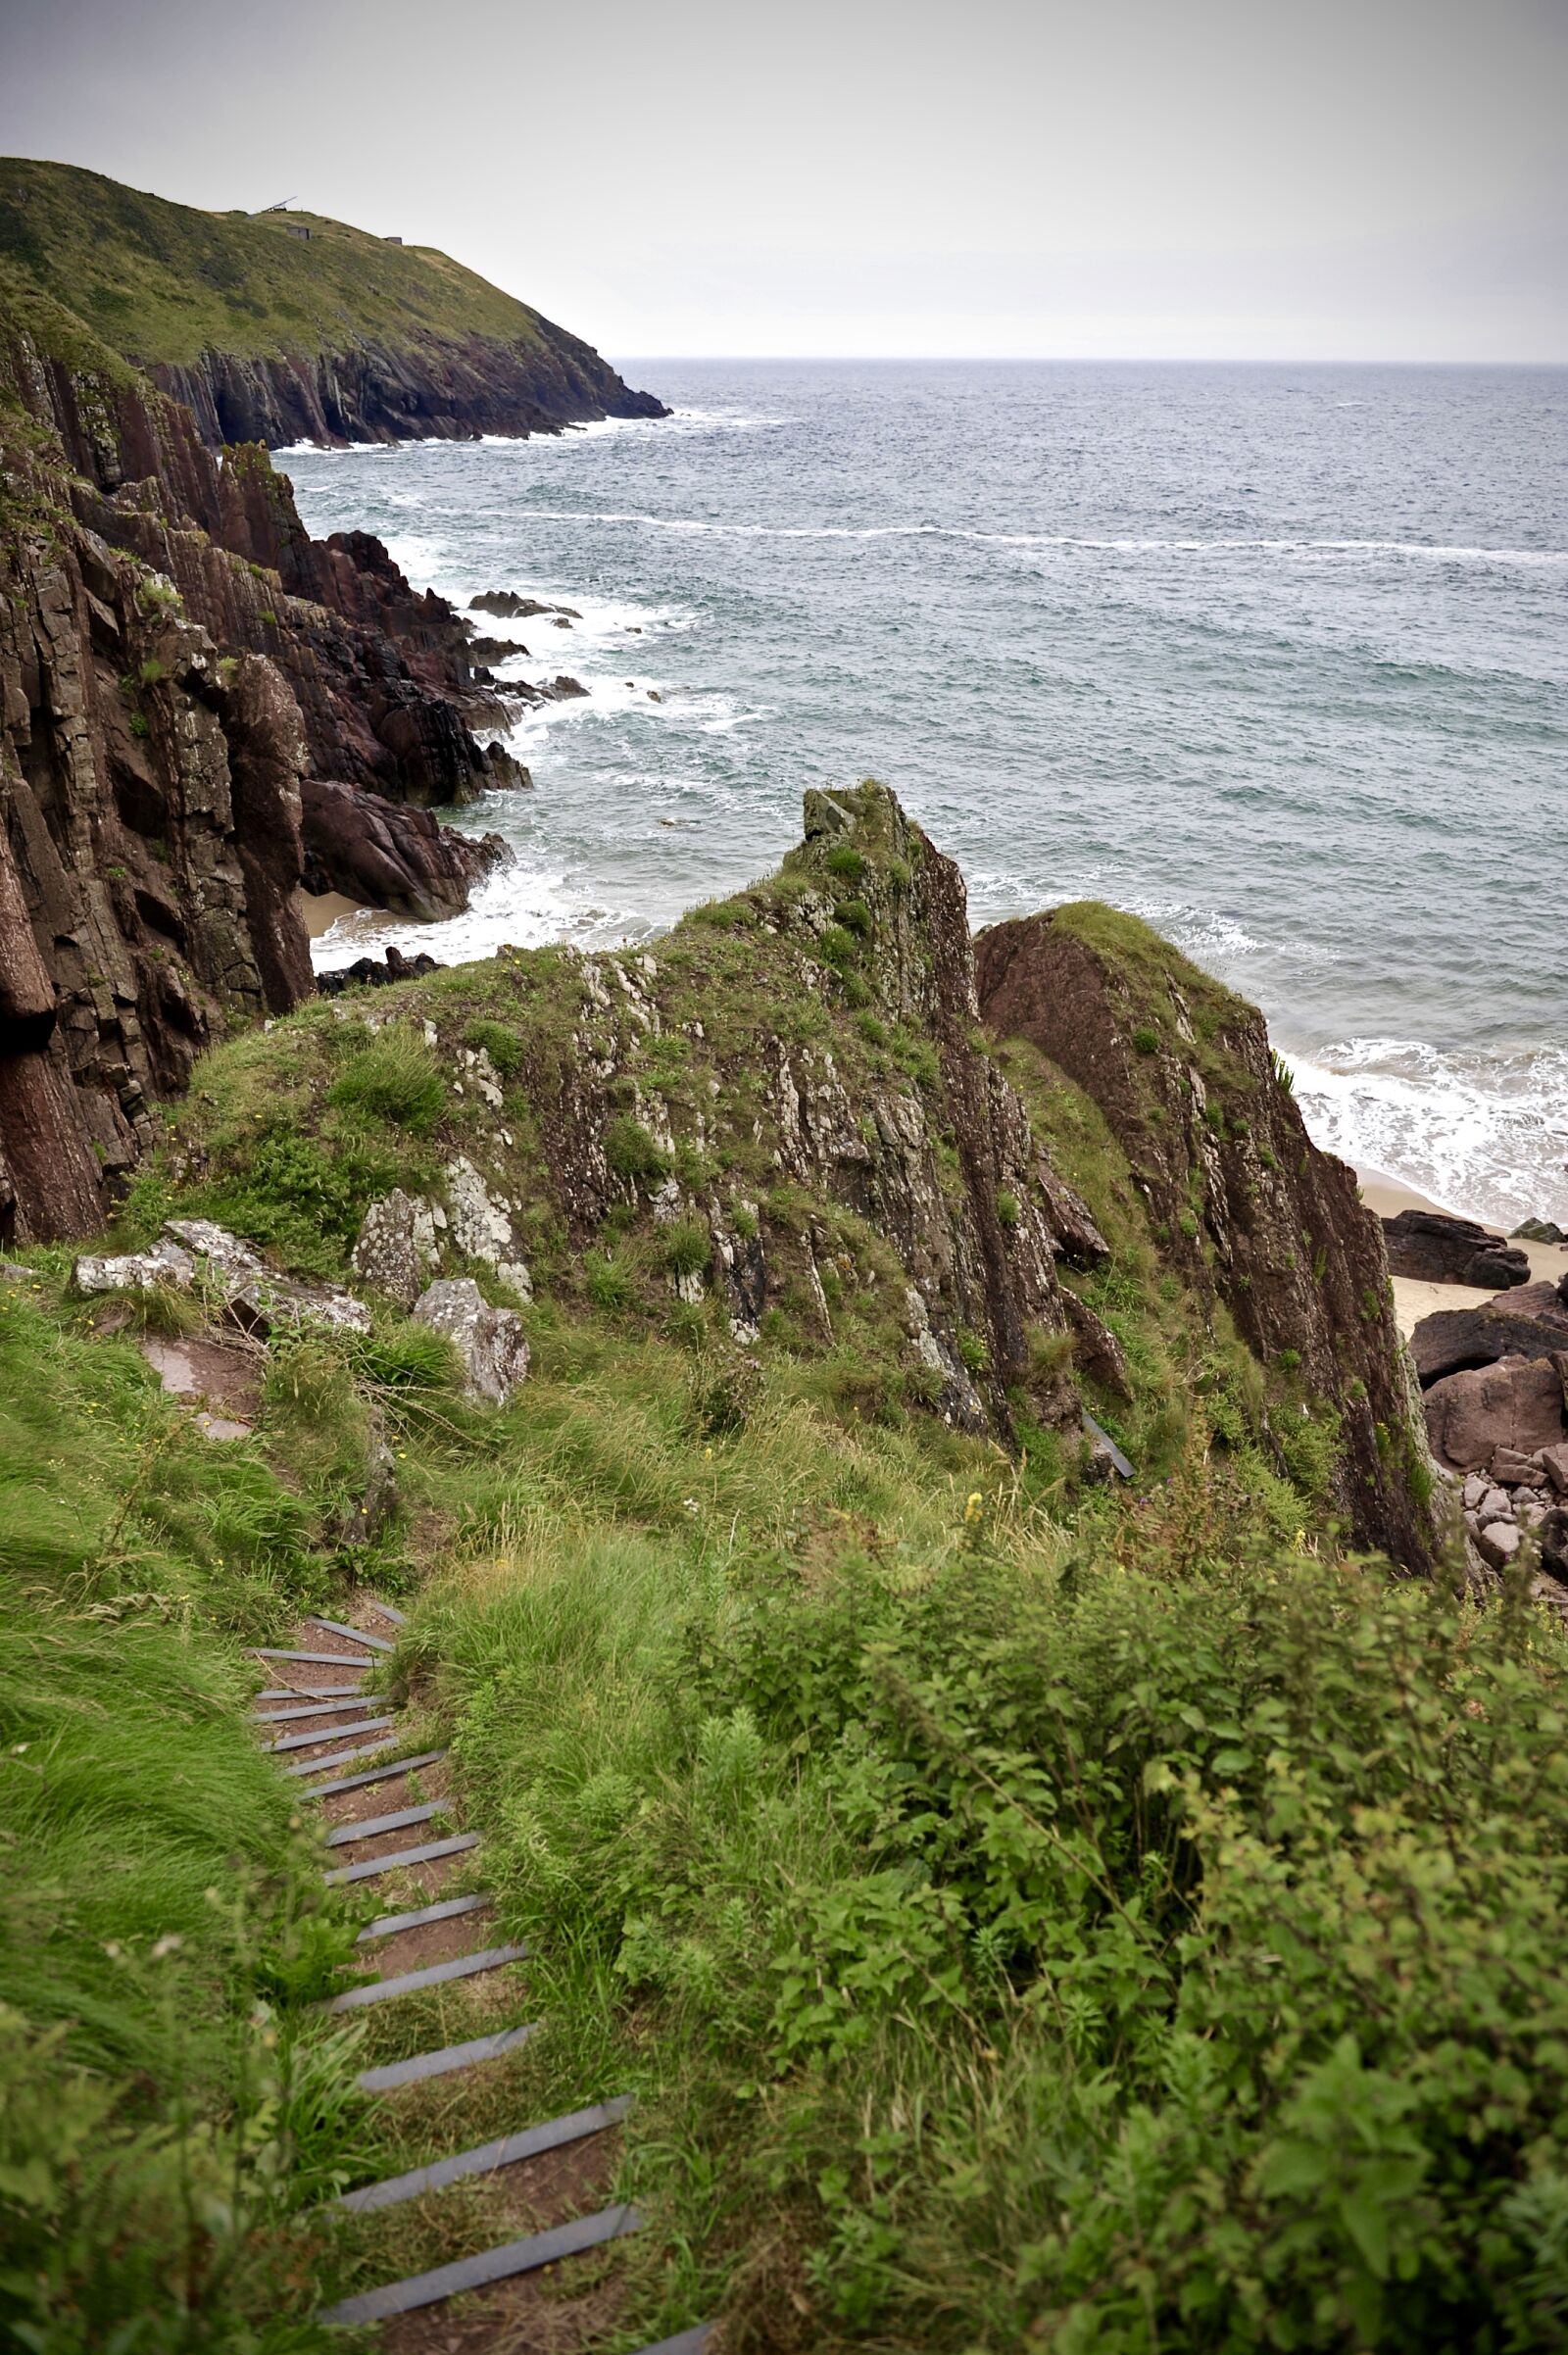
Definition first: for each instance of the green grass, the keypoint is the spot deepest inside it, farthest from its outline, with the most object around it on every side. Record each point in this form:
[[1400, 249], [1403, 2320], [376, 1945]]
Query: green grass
[[158, 2106], [162, 283]]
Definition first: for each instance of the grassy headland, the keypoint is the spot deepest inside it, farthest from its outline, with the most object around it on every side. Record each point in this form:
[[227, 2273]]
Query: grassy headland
[[164, 282]]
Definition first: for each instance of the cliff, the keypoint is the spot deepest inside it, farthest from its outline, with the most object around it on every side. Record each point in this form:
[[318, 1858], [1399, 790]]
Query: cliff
[[177, 659], [287, 328], [1239, 1204]]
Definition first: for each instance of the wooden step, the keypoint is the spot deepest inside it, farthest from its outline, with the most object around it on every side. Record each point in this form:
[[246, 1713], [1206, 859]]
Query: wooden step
[[488, 2156], [350, 1635], [391, 1925], [322, 1708], [490, 2265], [305, 1741], [370, 1827], [368, 1749], [372, 1773]]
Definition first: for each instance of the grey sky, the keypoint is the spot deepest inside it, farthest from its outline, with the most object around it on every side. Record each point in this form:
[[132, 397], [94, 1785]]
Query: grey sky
[[1336, 179]]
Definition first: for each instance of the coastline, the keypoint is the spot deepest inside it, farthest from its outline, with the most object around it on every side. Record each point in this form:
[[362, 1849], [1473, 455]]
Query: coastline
[[1413, 1298]]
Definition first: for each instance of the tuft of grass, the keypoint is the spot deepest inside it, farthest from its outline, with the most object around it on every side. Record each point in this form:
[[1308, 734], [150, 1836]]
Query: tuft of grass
[[394, 1078]]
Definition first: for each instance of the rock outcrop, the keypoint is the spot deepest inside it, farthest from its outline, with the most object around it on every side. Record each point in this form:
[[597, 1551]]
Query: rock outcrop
[[1242, 1202], [387, 856], [1439, 1249], [1530, 1321]]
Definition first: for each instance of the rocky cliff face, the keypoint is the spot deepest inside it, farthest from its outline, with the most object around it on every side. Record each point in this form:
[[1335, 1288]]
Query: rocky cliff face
[[440, 390], [1241, 1203], [177, 657]]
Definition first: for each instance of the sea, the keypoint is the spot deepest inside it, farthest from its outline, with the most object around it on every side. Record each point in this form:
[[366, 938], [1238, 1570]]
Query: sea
[[1275, 656]]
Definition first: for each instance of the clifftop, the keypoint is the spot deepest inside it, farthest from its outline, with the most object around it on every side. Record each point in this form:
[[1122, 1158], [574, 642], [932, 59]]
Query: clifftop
[[270, 336]]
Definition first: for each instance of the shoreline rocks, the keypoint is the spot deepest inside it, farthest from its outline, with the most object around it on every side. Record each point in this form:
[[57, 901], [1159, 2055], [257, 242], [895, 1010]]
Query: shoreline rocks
[[1438, 1249]]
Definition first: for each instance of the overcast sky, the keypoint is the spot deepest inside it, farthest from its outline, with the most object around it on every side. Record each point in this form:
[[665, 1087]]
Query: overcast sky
[[1236, 178]]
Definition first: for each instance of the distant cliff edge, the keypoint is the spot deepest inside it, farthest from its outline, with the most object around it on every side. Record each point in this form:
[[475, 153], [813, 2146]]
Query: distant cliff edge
[[285, 327]]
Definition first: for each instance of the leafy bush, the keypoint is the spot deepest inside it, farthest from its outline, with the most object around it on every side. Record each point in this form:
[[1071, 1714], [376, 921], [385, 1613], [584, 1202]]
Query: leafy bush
[[854, 916], [1008, 1209], [1204, 1908], [1146, 1039], [846, 862]]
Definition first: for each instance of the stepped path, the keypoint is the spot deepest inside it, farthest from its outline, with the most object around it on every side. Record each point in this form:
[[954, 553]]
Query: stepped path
[[490, 2232]]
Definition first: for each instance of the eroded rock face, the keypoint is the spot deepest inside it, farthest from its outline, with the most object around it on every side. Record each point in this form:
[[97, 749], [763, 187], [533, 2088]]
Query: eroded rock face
[[1443, 1250], [397, 1246], [387, 856], [489, 1342], [1241, 1200], [177, 655], [1515, 1404]]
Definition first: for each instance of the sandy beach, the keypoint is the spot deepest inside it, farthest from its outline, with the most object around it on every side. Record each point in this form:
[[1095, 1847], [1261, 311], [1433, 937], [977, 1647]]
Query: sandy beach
[[321, 910], [1414, 1298]]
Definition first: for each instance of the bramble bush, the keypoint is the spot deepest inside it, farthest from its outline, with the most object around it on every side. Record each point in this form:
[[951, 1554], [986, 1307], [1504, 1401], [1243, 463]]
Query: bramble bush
[[1162, 1954]]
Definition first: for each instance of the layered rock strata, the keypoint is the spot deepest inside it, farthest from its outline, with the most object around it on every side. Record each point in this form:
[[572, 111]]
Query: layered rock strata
[[1242, 1202]]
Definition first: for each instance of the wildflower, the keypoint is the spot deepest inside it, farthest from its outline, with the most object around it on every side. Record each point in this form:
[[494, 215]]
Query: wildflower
[[17, 1748], [113, 1950], [974, 1510], [170, 1943]]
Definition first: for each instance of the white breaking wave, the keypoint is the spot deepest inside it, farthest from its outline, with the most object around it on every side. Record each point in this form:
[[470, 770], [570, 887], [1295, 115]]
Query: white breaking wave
[[1486, 1138], [1550, 558]]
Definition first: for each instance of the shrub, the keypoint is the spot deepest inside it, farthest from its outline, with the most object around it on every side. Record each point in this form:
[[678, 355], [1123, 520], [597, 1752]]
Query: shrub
[[1146, 1039], [854, 916], [837, 947], [1283, 1073], [140, 725], [846, 862], [1008, 1209]]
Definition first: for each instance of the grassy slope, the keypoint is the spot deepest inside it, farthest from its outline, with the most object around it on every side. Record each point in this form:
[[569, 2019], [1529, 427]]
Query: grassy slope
[[1027, 1917], [162, 283]]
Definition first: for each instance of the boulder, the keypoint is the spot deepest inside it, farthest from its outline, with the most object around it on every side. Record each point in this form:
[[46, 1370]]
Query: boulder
[[1439, 1249], [1496, 1541], [1531, 1322], [1511, 1470], [1516, 1404], [1070, 1221], [387, 855], [195, 1254], [1095, 1351], [1554, 1464], [1552, 1538], [1538, 1230], [397, 1246], [507, 606], [1493, 1507], [489, 1342]]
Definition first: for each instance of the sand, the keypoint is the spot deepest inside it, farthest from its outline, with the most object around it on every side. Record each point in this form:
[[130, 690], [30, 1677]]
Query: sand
[[1412, 1298], [321, 910]]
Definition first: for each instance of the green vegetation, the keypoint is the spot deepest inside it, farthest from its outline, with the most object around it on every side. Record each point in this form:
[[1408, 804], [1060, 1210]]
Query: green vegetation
[[162, 282], [1028, 1912], [160, 2108]]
